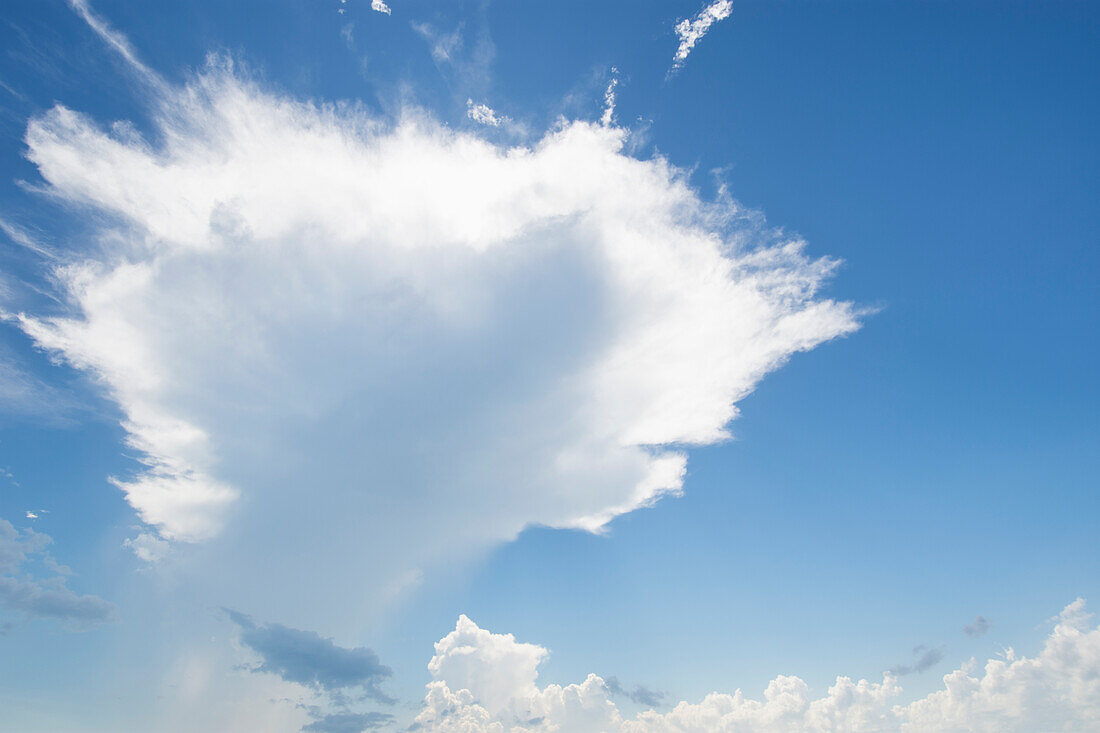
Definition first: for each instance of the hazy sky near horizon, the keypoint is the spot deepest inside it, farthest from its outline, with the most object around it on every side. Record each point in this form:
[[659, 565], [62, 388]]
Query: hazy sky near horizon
[[499, 366]]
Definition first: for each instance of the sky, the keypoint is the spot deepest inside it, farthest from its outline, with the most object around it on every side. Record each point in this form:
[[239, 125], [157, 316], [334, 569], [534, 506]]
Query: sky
[[524, 366]]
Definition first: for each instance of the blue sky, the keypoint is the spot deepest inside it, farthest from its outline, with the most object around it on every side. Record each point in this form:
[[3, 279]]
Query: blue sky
[[402, 372]]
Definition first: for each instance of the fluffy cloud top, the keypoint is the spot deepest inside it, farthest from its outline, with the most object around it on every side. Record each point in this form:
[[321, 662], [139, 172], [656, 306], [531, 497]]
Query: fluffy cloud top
[[28, 594], [354, 338], [493, 690], [495, 668]]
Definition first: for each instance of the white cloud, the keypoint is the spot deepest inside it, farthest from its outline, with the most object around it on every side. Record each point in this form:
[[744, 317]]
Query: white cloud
[[401, 341], [690, 31], [148, 547], [608, 116], [483, 114], [379, 6], [487, 682]]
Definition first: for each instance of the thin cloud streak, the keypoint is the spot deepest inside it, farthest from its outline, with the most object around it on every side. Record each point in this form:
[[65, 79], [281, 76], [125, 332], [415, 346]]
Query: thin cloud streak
[[118, 42]]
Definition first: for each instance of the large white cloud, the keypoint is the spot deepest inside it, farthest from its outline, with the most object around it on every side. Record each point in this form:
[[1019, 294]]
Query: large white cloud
[[485, 682], [366, 345]]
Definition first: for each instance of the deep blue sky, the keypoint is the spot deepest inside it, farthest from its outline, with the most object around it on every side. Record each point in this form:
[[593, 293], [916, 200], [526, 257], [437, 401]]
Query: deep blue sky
[[881, 491]]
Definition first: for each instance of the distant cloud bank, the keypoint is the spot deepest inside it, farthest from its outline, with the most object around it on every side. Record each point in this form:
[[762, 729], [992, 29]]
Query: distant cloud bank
[[487, 683]]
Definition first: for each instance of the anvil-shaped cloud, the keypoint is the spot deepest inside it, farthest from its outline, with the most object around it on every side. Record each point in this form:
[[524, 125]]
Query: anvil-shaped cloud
[[367, 345]]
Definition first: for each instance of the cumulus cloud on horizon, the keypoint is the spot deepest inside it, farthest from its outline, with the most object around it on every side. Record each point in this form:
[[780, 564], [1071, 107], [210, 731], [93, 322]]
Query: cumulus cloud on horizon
[[487, 683]]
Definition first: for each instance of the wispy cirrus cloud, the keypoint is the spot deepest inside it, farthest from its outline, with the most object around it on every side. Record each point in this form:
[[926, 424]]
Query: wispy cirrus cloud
[[342, 676]]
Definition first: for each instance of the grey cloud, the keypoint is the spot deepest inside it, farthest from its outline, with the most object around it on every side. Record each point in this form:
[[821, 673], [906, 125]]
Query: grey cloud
[[926, 658], [15, 546], [24, 593], [640, 694], [35, 600], [309, 659], [979, 627]]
